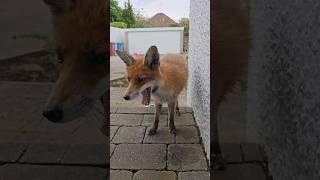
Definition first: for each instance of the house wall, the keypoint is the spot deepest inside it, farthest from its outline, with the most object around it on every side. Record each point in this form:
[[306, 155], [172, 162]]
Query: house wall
[[199, 67], [284, 86]]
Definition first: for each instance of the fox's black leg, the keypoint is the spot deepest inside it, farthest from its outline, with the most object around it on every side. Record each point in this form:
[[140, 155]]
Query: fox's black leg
[[177, 109], [171, 109], [153, 130]]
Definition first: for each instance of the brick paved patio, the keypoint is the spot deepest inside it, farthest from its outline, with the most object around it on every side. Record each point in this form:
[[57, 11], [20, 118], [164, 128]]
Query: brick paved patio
[[33, 148], [136, 155]]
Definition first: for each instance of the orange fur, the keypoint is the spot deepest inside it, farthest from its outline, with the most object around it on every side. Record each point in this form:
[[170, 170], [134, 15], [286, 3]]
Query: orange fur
[[173, 72]]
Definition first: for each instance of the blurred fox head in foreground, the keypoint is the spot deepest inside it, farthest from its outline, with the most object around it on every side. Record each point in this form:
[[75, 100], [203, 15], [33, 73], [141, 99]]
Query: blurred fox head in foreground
[[80, 36]]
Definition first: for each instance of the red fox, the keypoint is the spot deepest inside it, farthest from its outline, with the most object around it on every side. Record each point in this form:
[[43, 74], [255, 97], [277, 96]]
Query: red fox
[[162, 78], [230, 57], [81, 42]]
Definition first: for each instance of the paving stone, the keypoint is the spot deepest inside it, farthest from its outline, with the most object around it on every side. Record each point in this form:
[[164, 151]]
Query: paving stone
[[240, 172], [148, 120], [186, 109], [154, 175], [195, 175], [251, 152], [187, 134], [120, 175], [41, 172], [184, 120], [134, 110], [44, 153], [163, 136], [139, 156], [113, 110], [185, 157], [113, 130], [94, 154], [232, 152], [11, 152], [129, 135], [126, 119]]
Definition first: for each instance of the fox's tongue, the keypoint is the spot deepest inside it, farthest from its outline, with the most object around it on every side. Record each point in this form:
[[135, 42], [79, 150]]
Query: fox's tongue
[[146, 96]]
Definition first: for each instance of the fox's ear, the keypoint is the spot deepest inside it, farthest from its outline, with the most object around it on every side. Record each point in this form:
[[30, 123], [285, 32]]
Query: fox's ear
[[126, 58], [59, 6], [152, 58]]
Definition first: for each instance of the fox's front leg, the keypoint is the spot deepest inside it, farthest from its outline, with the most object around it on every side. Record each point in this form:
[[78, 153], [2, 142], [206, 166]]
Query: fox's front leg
[[171, 108], [153, 130]]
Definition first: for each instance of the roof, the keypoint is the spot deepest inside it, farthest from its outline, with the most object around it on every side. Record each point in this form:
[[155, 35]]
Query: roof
[[160, 20]]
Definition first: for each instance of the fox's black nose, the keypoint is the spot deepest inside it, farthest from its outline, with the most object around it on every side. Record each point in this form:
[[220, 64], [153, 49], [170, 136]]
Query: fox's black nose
[[126, 97], [53, 115]]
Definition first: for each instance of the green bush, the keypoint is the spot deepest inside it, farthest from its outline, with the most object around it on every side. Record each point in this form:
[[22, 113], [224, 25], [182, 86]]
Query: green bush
[[119, 25]]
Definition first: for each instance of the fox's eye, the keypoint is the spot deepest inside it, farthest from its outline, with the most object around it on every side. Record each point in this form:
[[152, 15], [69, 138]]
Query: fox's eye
[[129, 79], [140, 80]]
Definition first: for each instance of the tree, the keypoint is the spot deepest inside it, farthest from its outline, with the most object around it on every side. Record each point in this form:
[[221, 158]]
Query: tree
[[184, 22], [115, 11], [128, 14]]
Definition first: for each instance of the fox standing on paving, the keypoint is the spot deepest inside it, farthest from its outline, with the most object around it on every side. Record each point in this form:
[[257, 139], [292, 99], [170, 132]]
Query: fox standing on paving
[[161, 78]]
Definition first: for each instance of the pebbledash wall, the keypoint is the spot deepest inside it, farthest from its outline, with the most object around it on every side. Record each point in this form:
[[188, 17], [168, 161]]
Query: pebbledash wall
[[199, 67], [284, 86]]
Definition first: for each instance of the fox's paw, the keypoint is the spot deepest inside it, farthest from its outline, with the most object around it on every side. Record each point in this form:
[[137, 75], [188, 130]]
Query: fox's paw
[[219, 163], [152, 132], [173, 131]]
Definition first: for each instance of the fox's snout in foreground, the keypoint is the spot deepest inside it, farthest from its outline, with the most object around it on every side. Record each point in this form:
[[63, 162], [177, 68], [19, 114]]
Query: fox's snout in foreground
[[161, 79], [53, 115], [80, 41]]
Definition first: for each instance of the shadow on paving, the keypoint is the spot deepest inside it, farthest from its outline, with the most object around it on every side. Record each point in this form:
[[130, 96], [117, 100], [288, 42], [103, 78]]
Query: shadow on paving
[[31, 147]]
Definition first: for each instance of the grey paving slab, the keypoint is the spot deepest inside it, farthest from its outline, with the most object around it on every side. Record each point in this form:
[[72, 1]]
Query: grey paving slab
[[154, 175], [112, 147], [46, 172], [240, 172], [186, 157], [44, 153], [232, 152], [251, 152], [11, 152], [184, 120], [113, 109], [125, 119], [129, 135], [163, 136], [187, 134], [139, 156], [94, 154], [113, 130], [196, 175], [120, 175], [148, 120]]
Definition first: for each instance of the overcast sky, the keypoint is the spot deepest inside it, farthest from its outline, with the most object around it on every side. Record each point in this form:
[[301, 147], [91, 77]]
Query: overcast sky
[[175, 9]]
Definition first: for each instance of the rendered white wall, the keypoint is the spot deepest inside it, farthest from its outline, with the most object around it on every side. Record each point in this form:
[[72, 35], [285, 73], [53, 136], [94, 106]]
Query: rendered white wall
[[199, 67], [116, 35], [284, 86], [167, 41]]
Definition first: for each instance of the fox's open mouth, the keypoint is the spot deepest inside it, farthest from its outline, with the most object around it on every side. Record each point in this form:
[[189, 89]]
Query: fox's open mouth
[[146, 96]]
